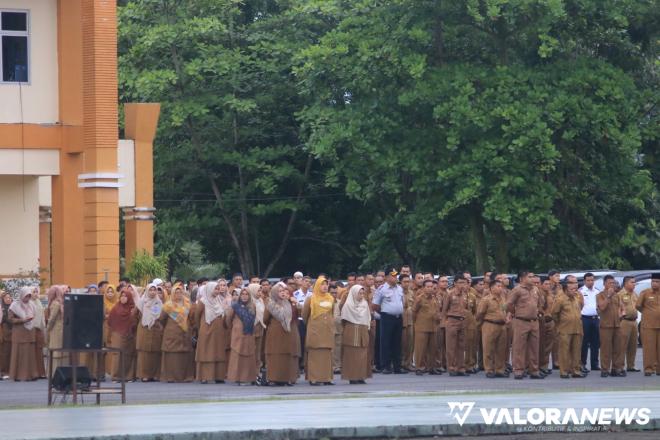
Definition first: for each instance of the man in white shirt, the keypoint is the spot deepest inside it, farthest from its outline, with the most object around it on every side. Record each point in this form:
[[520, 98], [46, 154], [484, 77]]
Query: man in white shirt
[[590, 323], [304, 292]]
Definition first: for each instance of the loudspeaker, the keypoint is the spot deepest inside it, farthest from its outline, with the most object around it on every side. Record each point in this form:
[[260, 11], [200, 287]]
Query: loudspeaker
[[63, 378], [83, 321]]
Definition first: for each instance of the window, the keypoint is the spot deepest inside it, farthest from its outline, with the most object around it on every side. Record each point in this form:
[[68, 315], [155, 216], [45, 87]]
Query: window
[[14, 36]]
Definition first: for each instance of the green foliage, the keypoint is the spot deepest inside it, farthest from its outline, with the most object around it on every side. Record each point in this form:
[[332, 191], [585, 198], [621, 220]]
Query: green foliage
[[194, 266], [144, 267]]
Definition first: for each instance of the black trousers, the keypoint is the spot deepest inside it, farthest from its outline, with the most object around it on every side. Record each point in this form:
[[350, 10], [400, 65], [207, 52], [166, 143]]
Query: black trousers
[[591, 340], [391, 328], [302, 330]]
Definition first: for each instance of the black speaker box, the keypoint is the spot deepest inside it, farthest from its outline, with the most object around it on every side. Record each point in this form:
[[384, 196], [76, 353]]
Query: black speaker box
[[63, 378], [83, 321]]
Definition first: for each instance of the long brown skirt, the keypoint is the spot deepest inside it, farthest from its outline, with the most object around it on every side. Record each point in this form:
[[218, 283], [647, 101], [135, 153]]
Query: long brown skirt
[[242, 368], [148, 365], [294, 370], [5, 357], [39, 352], [258, 349], [23, 363], [318, 365], [279, 367], [211, 371], [177, 367], [129, 366], [355, 363]]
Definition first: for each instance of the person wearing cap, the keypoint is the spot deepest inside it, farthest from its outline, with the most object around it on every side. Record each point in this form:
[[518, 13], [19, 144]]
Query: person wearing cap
[[649, 305], [388, 301], [629, 333]]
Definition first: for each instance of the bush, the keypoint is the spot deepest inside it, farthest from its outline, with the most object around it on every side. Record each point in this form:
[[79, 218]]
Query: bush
[[144, 267]]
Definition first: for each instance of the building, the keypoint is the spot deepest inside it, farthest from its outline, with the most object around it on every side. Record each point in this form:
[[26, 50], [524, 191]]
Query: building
[[65, 177]]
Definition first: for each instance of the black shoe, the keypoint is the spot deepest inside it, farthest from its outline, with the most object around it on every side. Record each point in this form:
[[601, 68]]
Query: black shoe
[[584, 370], [604, 374], [518, 377], [579, 375], [545, 371], [596, 368], [400, 372], [315, 384], [420, 373], [498, 375], [555, 367], [453, 373], [536, 376], [353, 382], [386, 371], [362, 382], [436, 371], [461, 373], [648, 374], [490, 375], [328, 383], [633, 370], [564, 376]]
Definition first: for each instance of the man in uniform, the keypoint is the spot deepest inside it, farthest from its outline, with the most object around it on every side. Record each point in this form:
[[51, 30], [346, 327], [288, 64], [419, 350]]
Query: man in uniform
[[426, 314], [566, 311], [524, 305], [471, 333], [547, 334], [388, 301], [407, 338], [441, 352], [649, 305], [590, 324], [629, 333], [609, 309], [454, 310], [555, 279], [491, 316]]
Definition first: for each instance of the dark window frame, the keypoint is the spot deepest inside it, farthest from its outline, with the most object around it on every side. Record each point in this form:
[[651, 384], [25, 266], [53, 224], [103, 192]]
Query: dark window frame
[[26, 35]]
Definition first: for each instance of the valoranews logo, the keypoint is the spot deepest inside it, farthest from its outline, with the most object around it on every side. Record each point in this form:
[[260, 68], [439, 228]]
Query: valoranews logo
[[551, 416]]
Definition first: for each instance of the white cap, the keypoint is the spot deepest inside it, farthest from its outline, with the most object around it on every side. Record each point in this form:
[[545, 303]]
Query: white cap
[[298, 274], [157, 282]]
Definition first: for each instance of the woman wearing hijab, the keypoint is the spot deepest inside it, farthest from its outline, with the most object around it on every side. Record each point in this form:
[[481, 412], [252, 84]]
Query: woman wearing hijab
[[281, 354], [55, 325], [21, 314], [242, 361], [110, 298], [39, 325], [92, 289], [259, 325], [356, 318], [320, 340], [5, 336], [213, 336], [149, 335], [122, 322], [177, 359]]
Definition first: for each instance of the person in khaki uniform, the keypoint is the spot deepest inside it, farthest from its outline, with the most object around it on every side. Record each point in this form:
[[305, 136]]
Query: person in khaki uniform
[[454, 310], [492, 319], [524, 304], [441, 293], [546, 328], [320, 340], [471, 343], [609, 310], [504, 279], [556, 290], [649, 305], [425, 312], [480, 287], [407, 337], [629, 334], [566, 311], [339, 328]]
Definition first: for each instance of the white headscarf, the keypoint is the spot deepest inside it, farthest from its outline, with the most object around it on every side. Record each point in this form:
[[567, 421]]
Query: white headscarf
[[259, 304], [214, 305], [149, 307], [39, 320], [356, 310], [24, 310]]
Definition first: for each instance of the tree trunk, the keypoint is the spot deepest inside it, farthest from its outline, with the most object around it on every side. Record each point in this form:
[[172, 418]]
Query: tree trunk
[[478, 241], [502, 262]]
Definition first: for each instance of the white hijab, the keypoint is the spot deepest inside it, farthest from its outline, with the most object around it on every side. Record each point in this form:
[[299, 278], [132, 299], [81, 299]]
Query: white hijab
[[214, 305], [149, 307], [356, 310], [259, 304], [24, 310]]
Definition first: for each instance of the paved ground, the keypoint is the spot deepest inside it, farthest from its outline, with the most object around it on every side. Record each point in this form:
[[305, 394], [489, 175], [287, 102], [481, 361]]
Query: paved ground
[[401, 416]]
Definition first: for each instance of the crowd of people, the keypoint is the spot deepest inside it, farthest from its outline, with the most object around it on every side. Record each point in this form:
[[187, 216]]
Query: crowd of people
[[389, 322]]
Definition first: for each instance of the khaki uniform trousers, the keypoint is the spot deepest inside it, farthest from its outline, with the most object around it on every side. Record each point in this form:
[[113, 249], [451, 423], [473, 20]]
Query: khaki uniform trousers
[[441, 351], [611, 355], [629, 341], [407, 346], [570, 346], [651, 349], [493, 338], [547, 339], [455, 343], [525, 349], [425, 351]]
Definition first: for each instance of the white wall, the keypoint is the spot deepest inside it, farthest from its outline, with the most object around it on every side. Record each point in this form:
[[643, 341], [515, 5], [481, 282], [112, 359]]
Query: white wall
[[19, 224], [126, 159], [40, 96]]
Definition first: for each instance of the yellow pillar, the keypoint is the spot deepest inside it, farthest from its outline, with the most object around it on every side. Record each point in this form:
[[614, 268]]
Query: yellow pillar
[[141, 121], [99, 179]]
